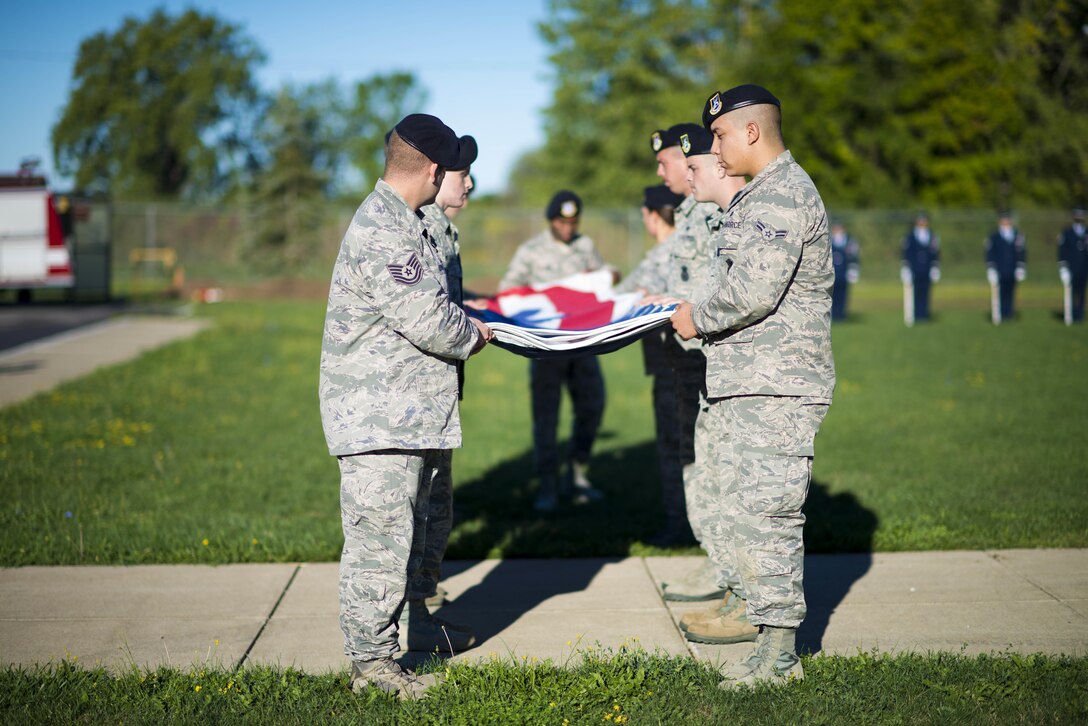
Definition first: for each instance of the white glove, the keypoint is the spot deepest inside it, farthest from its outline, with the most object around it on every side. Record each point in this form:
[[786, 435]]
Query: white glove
[[991, 276], [1065, 275], [905, 275], [1021, 273], [852, 275], [934, 274]]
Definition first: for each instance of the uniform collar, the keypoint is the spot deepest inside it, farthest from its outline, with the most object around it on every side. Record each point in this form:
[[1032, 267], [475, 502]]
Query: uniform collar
[[393, 197], [776, 165]]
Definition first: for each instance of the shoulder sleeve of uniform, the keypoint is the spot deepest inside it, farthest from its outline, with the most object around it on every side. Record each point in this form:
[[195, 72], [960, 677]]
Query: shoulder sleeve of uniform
[[519, 273], [777, 228], [411, 298]]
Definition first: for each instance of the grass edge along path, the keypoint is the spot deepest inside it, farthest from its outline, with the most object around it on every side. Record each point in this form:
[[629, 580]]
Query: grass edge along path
[[628, 686]]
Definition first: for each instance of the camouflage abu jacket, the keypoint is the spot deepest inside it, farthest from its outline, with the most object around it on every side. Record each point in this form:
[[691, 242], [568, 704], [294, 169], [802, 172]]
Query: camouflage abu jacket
[[766, 313], [543, 259], [388, 379]]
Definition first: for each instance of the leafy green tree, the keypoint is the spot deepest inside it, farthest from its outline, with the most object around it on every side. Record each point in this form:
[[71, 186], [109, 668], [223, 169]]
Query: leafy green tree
[[377, 104], [160, 108], [622, 69]]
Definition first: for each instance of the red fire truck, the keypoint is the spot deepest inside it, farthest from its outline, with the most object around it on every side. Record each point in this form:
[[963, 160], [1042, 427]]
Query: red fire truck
[[33, 250]]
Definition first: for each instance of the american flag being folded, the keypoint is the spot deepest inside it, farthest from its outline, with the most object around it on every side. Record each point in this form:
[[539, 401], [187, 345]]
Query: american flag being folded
[[577, 315]]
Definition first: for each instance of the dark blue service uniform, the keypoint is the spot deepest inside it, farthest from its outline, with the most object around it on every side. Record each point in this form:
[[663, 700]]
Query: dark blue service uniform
[[921, 257], [1073, 256], [1005, 255], [845, 259]]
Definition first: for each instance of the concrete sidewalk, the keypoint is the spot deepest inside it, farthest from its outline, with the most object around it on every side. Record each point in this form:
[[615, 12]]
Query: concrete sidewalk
[[39, 366], [1024, 601]]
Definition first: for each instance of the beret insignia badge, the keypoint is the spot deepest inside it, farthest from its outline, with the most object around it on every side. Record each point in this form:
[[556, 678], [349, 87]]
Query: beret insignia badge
[[655, 141], [569, 209], [685, 144], [716, 104], [409, 273], [769, 233]]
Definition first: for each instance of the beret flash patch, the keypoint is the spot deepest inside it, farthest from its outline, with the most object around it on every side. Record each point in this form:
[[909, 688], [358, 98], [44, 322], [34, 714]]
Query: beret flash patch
[[409, 273], [655, 141], [569, 209], [716, 103], [685, 143]]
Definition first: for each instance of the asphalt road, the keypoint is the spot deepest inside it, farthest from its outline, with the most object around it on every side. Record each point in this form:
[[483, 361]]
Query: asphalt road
[[26, 323]]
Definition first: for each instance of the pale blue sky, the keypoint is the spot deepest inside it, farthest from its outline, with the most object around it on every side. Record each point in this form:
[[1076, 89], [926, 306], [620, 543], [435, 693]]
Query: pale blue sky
[[482, 63]]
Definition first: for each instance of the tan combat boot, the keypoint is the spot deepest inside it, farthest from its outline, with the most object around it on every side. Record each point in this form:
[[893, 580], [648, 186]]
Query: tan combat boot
[[773, 661], [387, 675], [718, 609], [428, 633], [732, 626], [699, 584]]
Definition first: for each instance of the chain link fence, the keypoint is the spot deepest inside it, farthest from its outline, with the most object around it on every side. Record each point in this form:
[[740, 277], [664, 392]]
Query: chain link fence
[[214, 247]]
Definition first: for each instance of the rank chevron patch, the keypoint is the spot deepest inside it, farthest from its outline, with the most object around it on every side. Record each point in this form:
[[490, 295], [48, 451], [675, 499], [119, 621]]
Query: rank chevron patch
[[409, 273], [769, 233]]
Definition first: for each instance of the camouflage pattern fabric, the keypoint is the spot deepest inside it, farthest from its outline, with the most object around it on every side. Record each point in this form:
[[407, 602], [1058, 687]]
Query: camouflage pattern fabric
[[649, 274], [423, 582], [383, 510], [388, 378], [762, 465], [689, 263], [543, 259], [766, 312], [547, 378]]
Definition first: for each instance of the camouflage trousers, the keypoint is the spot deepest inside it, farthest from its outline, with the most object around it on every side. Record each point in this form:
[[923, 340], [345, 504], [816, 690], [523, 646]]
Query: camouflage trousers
[[384, 504], [546, 380], [423, 583], [762, 464], [696, 449]]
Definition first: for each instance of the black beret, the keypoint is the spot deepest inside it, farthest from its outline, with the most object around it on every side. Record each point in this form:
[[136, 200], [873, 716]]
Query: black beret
[[430, 137], [564, 204], [1078, 214], [722, 102], [671, 136], [697, 141], [469, 151], [660, 196]]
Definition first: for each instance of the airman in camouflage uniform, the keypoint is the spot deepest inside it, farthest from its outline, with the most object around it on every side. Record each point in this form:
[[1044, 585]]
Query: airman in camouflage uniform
[[558, 252], [766, 319], [388, 391], [658, 215], [425, 631]]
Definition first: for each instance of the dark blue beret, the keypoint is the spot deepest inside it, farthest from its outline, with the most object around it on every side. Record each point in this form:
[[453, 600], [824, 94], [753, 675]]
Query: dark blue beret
[[697, 141], [564, 204], [430, 137], [659, 197], [722, 102], [469, 151], [672, 135]]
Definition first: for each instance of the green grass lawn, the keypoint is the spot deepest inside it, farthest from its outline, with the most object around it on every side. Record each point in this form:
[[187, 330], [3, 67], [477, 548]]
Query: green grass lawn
[[956, 434], [600, 688]]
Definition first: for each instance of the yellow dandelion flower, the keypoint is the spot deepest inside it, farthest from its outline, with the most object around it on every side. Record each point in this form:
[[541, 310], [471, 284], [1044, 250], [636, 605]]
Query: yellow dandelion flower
[[615, 707], [551, 705], [253, 541], [204, 541], [217, 641], [128, 440], [197, 688]]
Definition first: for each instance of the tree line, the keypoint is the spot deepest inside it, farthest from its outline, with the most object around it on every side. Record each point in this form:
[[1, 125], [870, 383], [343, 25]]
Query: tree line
[[887, 103]]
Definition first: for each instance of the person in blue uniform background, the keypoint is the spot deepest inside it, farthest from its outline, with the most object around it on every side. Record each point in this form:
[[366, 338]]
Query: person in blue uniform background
[[921, 263], [1073, 264], [844, 258], [1006, 263]]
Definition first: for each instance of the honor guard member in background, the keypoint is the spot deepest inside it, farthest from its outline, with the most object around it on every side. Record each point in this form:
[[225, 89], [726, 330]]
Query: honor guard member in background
[[426, 632], [1006, 265], [726, 621], [766, 319], [845, 259], [388, 390], [558, 252], [659, 205], [921, 266], [1073, 266]]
